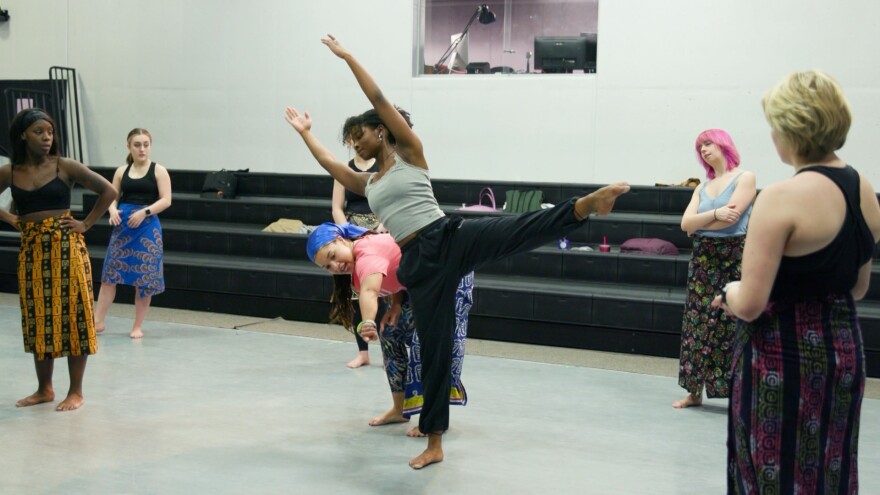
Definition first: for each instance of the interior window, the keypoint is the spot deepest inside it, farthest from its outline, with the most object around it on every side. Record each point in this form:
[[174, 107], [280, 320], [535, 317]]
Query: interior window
[[507, 36]]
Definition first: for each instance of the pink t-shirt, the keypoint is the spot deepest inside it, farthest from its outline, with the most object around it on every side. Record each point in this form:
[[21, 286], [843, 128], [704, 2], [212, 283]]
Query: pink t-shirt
[[377, 254]]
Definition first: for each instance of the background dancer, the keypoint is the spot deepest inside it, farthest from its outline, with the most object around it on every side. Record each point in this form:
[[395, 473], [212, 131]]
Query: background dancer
[[350, 207], [716, 218], [135, 252]]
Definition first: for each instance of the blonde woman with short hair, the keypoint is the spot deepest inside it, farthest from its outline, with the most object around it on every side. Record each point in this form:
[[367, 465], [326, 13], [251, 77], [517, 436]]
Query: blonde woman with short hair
[[798, 364]]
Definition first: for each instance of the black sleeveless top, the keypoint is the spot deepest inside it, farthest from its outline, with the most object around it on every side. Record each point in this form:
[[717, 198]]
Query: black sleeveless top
[[143, 191], [355, 203], [53, 195], [833, 269]]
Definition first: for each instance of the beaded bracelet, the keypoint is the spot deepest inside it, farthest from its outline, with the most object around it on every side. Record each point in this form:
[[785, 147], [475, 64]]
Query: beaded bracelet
[[361, 324]]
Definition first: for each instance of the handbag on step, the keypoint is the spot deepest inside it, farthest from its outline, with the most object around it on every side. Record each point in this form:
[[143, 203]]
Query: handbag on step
[[220, 185], [487, 194]]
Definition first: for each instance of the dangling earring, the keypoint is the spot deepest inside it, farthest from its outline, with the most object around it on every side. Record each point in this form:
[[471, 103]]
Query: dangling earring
[[381, 137]]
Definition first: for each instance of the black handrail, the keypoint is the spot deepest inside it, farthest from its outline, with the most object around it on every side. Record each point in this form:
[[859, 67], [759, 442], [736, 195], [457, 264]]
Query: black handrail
[[65, 98]]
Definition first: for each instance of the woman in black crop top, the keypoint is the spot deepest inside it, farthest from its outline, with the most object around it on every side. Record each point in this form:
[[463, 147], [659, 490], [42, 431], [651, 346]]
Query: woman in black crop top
[[798, 363], [350, 207], [135, 252], [55, 276]]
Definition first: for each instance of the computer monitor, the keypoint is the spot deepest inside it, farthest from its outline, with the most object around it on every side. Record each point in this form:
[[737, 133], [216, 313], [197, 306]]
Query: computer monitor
[[458, 60], [555, 54]]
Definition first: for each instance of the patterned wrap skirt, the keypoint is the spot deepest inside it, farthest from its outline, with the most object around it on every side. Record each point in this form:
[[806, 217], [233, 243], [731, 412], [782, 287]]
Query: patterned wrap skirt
[[798, 381], [55, 291], [404, 369], [134, 255], [707, 333]]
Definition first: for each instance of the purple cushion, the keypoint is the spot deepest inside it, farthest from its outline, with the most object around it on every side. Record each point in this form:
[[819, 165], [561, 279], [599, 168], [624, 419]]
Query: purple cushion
[[648, 246]]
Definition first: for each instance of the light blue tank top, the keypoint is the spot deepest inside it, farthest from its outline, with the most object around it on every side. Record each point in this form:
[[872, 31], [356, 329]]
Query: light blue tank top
[[708, 203], [403, 199]]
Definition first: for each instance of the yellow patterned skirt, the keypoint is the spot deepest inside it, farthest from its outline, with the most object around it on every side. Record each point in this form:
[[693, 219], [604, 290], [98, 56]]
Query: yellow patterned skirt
[[55, 290]]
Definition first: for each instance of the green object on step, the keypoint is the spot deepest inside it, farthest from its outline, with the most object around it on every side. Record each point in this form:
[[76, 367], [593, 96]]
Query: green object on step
[[517, 201]]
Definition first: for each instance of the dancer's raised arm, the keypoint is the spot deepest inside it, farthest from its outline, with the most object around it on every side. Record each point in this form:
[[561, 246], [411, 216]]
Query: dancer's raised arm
[[408, 143], [351, 180]]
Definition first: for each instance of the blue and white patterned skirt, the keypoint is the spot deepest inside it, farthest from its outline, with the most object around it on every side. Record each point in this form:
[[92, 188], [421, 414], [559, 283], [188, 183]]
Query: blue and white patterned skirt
[[134, 255]]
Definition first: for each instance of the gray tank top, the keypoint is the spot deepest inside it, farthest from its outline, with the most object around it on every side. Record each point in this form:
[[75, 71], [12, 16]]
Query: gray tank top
[[403, 199]]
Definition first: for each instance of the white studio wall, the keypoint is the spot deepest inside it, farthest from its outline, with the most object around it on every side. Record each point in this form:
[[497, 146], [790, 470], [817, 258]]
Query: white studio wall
[[210, 79]]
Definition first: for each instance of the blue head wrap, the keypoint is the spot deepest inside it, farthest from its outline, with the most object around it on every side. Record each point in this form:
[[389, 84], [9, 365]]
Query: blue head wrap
[[327, 232]]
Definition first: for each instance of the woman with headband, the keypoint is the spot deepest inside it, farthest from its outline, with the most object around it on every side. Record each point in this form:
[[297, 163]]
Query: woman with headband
[[372, 260], [54, 272]]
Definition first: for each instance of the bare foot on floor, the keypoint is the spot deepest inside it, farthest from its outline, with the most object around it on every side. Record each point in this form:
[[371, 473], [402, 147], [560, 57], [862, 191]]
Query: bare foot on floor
[[415, 433], [358, 362], [388, 418], [426, 458], [689, 401], [37, 397], [100, 328], [136, 334], [73, 401]]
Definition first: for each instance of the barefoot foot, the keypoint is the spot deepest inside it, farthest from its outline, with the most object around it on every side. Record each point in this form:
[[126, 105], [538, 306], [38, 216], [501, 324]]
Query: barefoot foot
[[362, 359], [388, 418], [100, 328], [37, 397], [600, 201], [136, 334], [73, 401], [426, 458], [690, 401], [415, 433]]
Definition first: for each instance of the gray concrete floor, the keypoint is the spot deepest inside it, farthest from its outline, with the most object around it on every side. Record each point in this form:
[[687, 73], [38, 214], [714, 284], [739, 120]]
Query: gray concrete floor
[[228, 404]]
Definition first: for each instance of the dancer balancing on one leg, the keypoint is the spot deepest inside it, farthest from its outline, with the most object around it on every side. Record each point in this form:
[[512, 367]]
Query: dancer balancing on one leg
[[367, 261], [436, 251]]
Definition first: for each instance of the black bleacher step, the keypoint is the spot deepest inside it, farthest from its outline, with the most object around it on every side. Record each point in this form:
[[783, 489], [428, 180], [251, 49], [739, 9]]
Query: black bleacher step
[[584, 303], [616, 227], [649, 199], [251, 263], [220, 238], [592, 337], [243, 209], [548, 262]]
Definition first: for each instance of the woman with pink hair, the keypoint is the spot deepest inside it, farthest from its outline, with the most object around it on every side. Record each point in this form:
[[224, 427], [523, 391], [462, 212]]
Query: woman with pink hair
[[716, 219]]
